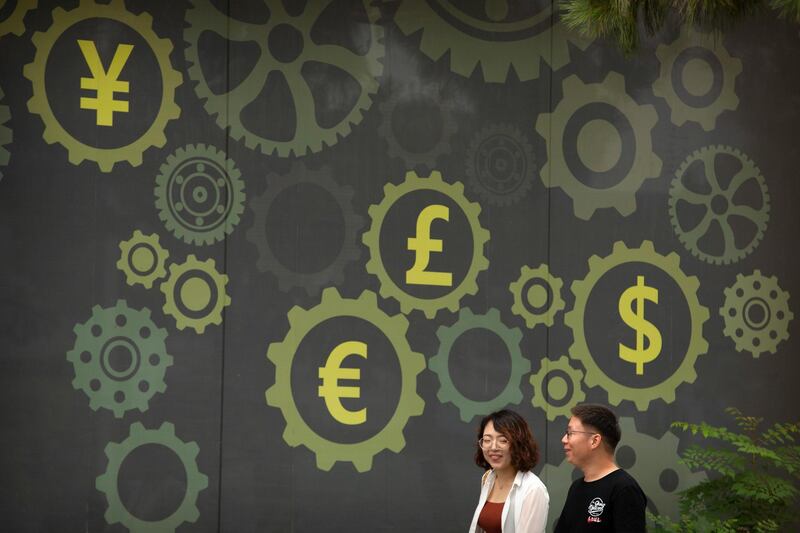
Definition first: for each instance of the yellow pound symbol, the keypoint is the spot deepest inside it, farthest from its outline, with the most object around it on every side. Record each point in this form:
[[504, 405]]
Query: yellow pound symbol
[[635, 319], [105, 83], [330, 389], [423, 245]]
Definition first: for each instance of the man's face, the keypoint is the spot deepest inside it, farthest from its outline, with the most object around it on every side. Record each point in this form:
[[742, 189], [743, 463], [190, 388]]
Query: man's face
[[577, 441]]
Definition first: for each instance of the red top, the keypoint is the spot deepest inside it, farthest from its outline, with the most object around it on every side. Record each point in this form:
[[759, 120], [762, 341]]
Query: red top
[[491, 517]]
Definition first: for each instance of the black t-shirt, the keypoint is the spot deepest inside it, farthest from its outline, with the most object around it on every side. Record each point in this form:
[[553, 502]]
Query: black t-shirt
[[614, 503]]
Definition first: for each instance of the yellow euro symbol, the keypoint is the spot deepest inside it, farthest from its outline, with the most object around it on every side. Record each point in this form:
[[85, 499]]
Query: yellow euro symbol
[[423, 245], [105, 82], [330, 389]]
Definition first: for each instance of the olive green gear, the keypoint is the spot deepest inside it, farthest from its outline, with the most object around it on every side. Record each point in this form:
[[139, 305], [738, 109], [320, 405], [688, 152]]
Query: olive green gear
[[439, 364], [108, 482], [119, 328], [654, 457], [301, 322], [309, 135], [557, 173], [682, 111], [371, 239], [142, 259], [574, 319], [14, 23], [757, 216], [558, 480], [541, 387], [214, 286], [54, 132], [500, 164], [267, 261], [496, 46], [6, 135], [750, 292], [212, 171], [556, 301]]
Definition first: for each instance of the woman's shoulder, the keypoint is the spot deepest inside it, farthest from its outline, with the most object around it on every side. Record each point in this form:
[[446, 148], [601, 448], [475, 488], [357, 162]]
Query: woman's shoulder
[[530, 481]]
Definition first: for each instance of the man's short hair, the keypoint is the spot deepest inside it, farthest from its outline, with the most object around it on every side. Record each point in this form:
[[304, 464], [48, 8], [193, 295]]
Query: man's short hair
[[602, 419]]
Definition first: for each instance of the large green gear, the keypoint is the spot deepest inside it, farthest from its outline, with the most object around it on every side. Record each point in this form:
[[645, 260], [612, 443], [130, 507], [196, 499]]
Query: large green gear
[[39, 103], [108, 482], [142, 259], [6, 135], [701, 54], [756, 313], [562, 126], [195, 294], [558, 479], [199, 194], [439, 364], [494, 43], [100, 341], [685, 373], [309, 134], [500, 164], [14, 24], [544, 289], [301, 322], [312, 282], [556, 379], [719, 205], [371, 238]]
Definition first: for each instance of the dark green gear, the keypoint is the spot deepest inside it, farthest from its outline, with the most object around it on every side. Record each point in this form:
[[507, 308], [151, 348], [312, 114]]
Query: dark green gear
[[548, 305], [552, 383], [6, 135], [500, 164]]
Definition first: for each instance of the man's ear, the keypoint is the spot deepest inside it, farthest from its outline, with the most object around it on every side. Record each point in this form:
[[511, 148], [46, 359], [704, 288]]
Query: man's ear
[[597, 440]]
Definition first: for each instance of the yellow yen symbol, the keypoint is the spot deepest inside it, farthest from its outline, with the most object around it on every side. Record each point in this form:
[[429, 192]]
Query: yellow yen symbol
[[330, 389], [105, 82]]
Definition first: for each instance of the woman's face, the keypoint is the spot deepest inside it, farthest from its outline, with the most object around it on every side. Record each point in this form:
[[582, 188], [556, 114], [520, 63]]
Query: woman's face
[[496, 448]]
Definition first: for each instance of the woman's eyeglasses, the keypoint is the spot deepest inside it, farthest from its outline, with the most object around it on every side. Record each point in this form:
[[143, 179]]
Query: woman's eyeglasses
[[486, 442]]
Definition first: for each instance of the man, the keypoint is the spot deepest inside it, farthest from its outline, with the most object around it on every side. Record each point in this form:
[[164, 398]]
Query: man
[[607, 498]]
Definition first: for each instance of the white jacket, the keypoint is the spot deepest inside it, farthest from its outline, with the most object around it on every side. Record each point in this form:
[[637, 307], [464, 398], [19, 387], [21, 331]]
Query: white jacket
[[525, 510]]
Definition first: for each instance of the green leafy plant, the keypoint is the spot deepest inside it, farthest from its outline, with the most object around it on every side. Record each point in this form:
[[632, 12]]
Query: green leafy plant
[[753, 478]]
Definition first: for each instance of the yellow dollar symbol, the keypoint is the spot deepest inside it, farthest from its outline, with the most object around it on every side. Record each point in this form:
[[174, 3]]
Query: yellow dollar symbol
[[105, 82], [423, 245], [635, 319], [330, 389]]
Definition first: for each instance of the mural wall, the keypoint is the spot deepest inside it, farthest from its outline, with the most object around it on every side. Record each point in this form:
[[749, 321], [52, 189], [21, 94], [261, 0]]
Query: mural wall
[[265, 265]]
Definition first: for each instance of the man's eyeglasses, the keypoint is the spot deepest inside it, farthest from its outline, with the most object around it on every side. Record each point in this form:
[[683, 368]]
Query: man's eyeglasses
[[486, 442], [570, 432]]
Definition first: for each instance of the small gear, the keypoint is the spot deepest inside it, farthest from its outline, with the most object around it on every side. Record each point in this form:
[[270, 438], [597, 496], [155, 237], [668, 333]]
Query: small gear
[[14, 24], [599, 145], [537, 296], [500, 164], [557, 387], [756, 313], [371, 238], [719, 205], [199, 194], [493, 40], [39, 103], [333, 273], [301, 322], [113, 338], [685, 373], [195, 294], [142, 259], [6, 135], [439, 364], [699, 58], [310, 134], [108, 482]]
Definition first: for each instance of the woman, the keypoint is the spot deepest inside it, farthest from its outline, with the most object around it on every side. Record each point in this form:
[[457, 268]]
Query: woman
[[513, 498]]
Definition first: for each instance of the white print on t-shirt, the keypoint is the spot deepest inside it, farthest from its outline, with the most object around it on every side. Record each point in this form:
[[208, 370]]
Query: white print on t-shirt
[[596, 507]]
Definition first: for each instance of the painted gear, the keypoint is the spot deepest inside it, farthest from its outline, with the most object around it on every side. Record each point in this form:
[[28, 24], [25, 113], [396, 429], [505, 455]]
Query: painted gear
[[495, 44], [558, 480], [6, 135], [539, 312], [267, 261], [439, 364], [195, 294], [562, 128], [719, 205], [199, 194], [301, 322], [309, 134], [770, 325], [14, 24], [595, 377], [371, 238], [108, 482], [686, 105], [109, 332], [500, 164], [142, 259], [545, 387]]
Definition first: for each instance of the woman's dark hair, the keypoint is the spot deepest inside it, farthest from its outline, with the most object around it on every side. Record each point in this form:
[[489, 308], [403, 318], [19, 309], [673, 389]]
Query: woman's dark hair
[[524, 450], [602, 419]]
